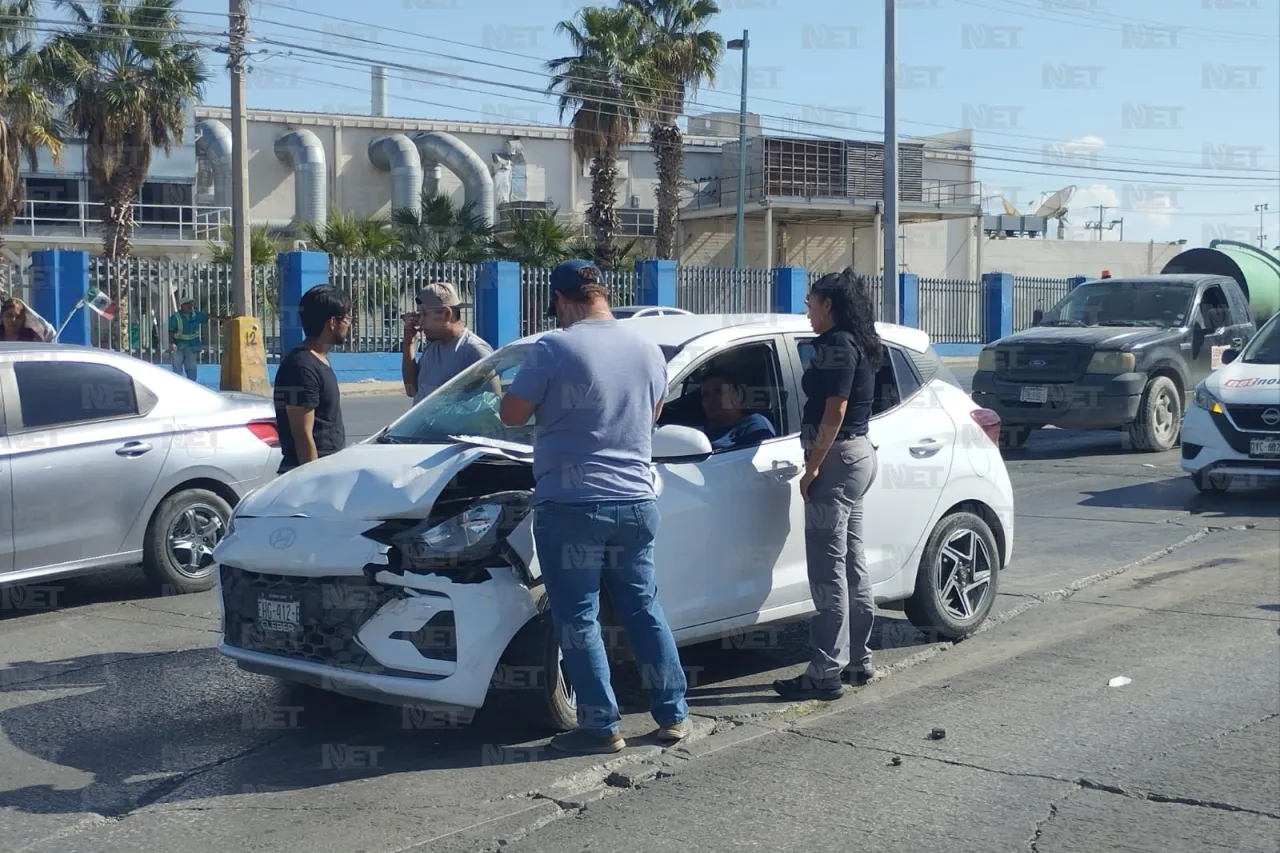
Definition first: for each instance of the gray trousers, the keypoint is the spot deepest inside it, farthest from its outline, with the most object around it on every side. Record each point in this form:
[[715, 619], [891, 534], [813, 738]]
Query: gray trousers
[[185, 360], [839, 578]]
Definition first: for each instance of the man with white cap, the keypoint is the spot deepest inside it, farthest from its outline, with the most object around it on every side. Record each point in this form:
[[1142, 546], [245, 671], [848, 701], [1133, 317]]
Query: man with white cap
[[185, 336], [451, 347]]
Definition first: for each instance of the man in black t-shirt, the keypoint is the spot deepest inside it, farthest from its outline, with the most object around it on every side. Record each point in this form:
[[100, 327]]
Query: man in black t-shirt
[[308, 408]]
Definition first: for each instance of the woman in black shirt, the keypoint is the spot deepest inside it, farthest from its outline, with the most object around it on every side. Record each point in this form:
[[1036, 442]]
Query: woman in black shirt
[[840, 466]]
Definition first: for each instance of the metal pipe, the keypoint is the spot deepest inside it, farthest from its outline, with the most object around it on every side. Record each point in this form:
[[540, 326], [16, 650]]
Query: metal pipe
[[378, 91], [890, 290], [768, 237], [213, 145], [302, 150], [398, 155], [444, 149], [742, 160]]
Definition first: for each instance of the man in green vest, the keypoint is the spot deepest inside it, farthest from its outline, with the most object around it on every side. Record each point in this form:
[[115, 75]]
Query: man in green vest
[[185, 343]]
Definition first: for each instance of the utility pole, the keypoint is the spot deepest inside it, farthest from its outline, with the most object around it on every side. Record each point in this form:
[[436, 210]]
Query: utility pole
[[1101, 223], [741, 44], [241, 297], [1262, 238], [890, 236]]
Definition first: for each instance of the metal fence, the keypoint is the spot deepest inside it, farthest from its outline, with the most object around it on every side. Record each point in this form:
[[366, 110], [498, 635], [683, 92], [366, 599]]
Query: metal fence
[[381, 291], [873, 283], [148, 292], [951, 310], [535, 295], [1030, 293], [14, 281], [711, 290]]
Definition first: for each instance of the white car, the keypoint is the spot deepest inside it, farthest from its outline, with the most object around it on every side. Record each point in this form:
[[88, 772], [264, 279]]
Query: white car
[[1233, 426], [630, 312], [402, 569]]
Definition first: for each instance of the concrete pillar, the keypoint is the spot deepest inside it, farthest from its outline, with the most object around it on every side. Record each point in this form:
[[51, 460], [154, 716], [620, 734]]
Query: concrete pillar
[[997, 306], [498, 302], [298, 272], [790, 285], [60, 279], [656, 283], [908, 300]]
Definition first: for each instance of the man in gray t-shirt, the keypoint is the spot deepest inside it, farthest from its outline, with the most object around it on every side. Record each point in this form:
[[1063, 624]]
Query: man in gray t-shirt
[[595, 388], [450, 349]]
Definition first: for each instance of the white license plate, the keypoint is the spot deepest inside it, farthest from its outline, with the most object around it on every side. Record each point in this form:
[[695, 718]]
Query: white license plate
[[279, 613], [1034, 394], [1265, 448]]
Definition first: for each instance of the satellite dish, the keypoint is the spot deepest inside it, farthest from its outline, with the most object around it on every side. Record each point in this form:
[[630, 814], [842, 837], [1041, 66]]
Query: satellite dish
[[1009, 209], [1055, 206]]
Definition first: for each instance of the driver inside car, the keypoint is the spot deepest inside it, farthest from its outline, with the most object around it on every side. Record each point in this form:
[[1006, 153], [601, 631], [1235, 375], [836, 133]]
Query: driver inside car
[[728, 425]]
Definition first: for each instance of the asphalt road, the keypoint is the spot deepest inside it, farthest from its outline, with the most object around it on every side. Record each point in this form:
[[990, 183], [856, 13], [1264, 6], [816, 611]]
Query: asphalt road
[[122, 730]]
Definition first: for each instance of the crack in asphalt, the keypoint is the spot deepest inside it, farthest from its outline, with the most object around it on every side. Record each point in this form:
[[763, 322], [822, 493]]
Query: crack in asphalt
[[1157, 797], [214, 630], [1172, 610], [1034, 841], [7, 682]]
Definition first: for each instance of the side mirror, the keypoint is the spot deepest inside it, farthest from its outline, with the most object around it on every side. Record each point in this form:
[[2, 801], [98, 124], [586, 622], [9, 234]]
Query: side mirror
[[1036, 317], [674, 443], [1230, 355]]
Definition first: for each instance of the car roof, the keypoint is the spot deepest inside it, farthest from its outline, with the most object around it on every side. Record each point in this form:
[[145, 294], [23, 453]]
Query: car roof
[[1172, 278], [677, 330]]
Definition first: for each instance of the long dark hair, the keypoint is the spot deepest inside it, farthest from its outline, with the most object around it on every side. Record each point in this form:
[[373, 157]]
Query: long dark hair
[[853, 311]]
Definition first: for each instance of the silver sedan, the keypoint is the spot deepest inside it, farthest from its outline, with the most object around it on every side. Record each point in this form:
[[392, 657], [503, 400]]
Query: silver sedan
[[109, 461]]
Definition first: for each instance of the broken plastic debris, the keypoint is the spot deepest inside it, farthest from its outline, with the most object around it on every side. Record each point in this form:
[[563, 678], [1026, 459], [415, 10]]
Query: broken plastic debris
[[897, 761], [1119, 681], [938, 734]]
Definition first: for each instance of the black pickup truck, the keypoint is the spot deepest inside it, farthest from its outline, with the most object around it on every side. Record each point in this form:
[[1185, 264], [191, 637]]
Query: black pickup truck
[[1115, 353]]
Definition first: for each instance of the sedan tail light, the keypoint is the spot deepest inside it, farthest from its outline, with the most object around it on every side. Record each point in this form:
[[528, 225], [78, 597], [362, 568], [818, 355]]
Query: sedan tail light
[[266, 432], [989, 421]]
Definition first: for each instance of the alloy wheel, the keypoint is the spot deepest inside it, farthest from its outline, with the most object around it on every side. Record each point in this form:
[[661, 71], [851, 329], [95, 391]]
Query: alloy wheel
[[963, 573], [192, 536]]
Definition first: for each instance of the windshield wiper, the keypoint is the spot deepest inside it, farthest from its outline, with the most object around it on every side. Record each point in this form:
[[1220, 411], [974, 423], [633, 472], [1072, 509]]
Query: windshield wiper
[[1120, 323], [1062, 323]]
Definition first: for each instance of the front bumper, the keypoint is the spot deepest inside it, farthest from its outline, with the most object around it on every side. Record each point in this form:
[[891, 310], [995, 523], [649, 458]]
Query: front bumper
[[1094, 401], [407, 639], [1212, 444]]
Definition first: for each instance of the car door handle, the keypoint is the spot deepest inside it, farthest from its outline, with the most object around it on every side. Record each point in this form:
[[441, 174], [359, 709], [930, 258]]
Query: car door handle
[[784, 470], [133, 448], [925, 447]]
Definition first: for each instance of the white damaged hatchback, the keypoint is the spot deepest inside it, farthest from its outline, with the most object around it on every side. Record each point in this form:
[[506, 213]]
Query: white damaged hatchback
[[402, 569]]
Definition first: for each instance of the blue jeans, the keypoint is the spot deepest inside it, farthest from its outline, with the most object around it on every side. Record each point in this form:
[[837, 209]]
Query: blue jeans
[[184, 360], [582, 548]]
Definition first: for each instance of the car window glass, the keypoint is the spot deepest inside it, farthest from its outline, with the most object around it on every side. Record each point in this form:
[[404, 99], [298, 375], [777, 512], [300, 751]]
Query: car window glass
[[887, 392], [52, 393], [754, 366], [1214, 309], [908, 384]]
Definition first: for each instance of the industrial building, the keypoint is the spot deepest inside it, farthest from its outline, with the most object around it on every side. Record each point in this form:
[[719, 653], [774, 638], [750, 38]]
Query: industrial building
[[809, 202]]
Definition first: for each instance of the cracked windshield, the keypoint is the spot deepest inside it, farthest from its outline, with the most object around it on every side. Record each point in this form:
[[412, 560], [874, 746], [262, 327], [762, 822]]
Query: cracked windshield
[[1123, 303]]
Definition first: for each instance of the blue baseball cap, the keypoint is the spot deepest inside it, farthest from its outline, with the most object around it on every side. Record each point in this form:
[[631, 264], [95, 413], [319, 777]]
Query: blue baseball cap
[[567, 276]]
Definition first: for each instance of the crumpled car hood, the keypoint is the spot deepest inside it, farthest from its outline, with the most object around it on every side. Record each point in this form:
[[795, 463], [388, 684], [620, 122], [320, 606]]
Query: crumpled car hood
[[366, 481]]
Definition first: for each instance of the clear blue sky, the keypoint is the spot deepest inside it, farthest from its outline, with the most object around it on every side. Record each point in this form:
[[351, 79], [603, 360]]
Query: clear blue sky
[[1178, 98]]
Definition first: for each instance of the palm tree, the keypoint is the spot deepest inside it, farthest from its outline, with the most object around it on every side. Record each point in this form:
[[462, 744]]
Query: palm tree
[[129, 76], [536, 240], [349, 236], [601, 85], [442, 232], [264, 246], [29, 117], [680, 54]]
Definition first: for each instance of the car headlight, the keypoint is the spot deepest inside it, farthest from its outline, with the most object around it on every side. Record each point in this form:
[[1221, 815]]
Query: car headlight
[[1111, 362], [1205, 400], [987, 360], [475, 535]]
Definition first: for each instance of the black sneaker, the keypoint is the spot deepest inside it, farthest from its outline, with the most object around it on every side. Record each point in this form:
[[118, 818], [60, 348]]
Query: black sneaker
[[802, 688], [580, 742], [856, 676]]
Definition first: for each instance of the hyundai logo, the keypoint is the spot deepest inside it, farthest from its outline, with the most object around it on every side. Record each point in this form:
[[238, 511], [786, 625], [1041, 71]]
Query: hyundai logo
[[1271, 417], [1038, 362]]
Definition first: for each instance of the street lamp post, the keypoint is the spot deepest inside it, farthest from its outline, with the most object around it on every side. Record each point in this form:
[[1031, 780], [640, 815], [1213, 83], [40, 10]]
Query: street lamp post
[[1262, 209], [741, 44], [890, 223]]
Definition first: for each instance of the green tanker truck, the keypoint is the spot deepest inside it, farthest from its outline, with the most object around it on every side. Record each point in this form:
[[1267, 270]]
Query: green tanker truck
[[1256, 270]]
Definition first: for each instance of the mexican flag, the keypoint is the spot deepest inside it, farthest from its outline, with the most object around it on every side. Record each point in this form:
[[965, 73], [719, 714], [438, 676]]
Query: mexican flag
[[101, 304]]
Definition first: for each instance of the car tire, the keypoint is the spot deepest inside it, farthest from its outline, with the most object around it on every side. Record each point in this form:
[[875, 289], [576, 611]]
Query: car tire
[[177, 552], [530, 677], [1015, 437], [1159, 422], [1208, 482], [934, 608]]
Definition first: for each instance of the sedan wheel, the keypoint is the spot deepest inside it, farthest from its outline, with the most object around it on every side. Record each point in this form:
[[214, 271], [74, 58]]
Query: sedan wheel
[[531, 678], [177, 554], [957, 578]]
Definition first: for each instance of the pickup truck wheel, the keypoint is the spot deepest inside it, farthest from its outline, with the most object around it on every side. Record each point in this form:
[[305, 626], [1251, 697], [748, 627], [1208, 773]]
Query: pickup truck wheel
[[1210, 483], [1015, 437], [957, 579], [531, 676], [1159, 421]]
